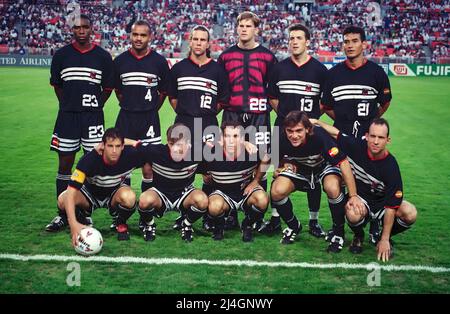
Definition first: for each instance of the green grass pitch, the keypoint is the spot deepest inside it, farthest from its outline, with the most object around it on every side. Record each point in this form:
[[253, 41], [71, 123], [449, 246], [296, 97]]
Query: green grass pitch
[[419, 115]]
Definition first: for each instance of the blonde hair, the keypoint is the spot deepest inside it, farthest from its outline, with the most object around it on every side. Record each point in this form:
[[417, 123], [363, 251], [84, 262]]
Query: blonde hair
[[247, 15]]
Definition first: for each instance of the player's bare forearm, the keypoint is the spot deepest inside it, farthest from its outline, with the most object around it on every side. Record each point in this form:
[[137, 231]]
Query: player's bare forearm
[[383, 109], [262, 168], [130, 142], [329, 128], [59, 93], [173, 103], [274, 103], [388, 222], [348, 177]]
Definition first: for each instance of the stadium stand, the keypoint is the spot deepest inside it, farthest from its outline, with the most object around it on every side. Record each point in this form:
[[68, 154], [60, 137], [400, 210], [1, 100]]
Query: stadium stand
[[411, 31]]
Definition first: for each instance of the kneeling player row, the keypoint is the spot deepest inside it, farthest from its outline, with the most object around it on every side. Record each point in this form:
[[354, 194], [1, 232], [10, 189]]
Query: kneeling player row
[[308, 155]]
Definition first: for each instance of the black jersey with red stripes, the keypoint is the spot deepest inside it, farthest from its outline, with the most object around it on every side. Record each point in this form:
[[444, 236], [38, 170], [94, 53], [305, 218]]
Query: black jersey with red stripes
[[297, 87], [140, 80], [312, 155], [82, 75], [378, 181], [248, 71], [356, 93], [232, 176], [198, 88], [169, 176], [100, 178]]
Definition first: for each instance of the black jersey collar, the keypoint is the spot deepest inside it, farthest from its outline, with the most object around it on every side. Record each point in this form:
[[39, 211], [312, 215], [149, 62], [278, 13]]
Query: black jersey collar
[[347, 63], [83, 51], [149, 50]]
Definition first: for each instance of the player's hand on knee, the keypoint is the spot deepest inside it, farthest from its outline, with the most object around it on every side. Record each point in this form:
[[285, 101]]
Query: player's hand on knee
[[250, 187], [355, 203], [250, 148]]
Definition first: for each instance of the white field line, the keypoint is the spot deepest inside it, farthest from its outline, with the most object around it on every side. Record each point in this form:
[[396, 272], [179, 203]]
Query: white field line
[[248, 263]]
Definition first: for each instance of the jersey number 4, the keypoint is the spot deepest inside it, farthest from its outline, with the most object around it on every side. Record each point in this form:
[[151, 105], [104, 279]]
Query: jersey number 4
[[148, 96]]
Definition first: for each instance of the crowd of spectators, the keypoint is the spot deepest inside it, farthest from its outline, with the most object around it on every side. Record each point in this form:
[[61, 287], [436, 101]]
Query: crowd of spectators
[[396, 28]]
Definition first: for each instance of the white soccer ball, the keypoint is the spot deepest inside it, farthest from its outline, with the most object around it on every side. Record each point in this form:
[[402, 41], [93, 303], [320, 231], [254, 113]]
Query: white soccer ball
[[90, 242]]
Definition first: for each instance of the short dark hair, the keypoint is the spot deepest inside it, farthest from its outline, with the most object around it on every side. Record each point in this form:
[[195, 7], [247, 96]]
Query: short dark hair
[[247, 15], [177, 132], [295, 117], [203, 29], [112, 133], [231, 124], [381, 121], [86, 17], [143, 23], [300, 27], [355, 30]]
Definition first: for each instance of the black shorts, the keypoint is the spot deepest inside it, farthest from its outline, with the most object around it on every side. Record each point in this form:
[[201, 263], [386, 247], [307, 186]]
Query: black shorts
[[236, 200], [75, 128], [95, 202], [172, 201], [309, 182], [261, 135], [141, 125]]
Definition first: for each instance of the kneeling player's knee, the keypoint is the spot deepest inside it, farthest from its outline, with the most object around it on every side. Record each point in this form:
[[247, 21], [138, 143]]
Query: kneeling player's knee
[[215, 208], [261, 201], [61, 201], [146, 200], [200, 200], [407, 212], [126, 197], [352, 217], [278, 192], [332, 190]]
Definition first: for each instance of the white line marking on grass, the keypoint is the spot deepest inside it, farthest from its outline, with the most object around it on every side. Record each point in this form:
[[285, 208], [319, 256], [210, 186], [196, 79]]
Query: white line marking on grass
[[190, 261]]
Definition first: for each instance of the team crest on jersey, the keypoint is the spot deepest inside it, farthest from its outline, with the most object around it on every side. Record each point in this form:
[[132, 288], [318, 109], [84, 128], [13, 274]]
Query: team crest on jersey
[[308, 88], [365, 91], [398, 194], [333, 151], [92, 75], [386, 91], [208, 84], [55, 142]]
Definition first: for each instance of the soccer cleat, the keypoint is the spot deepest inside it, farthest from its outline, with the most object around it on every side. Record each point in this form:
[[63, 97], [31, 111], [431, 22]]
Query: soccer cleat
[[336, 244], [316, 230], [122, 232], [289, 234], [231, 223], [186, 233], [271, 227], [329, 235], [83, 219], [149, 232], [356, 245], [247, 234], [178, 223], [258, 224], [374, 232], [57, 224], [218, 234]]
